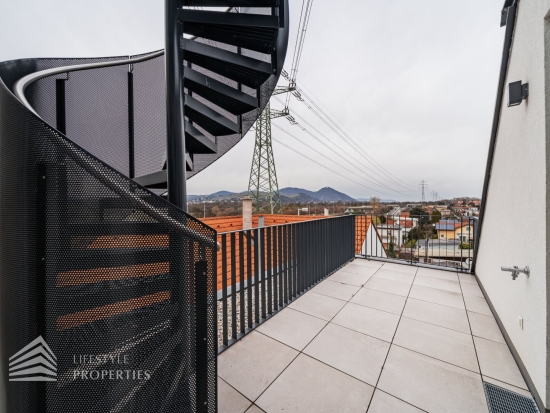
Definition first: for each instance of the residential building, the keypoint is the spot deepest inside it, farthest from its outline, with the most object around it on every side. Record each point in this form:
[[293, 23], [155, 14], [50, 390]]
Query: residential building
[[455, 230]]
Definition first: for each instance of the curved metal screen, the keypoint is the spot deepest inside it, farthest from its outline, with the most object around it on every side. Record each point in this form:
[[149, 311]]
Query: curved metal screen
[[119, 283]]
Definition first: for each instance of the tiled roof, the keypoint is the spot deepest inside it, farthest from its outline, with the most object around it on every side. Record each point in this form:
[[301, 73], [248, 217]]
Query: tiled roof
[[235, 223]]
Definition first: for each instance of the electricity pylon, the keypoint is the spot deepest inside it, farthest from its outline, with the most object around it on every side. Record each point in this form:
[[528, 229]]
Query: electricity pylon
[[263, 175]]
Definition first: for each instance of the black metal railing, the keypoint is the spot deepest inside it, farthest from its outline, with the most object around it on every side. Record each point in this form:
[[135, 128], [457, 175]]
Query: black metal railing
[[417, 239], [262, 270]]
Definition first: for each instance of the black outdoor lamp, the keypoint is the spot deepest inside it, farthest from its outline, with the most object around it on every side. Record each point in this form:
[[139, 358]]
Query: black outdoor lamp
[[517, 92]]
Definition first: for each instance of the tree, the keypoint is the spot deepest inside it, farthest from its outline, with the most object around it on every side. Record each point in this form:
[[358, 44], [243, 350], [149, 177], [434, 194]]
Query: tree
[[436, 216], [382, 219], [391, 250], [422, 216], [375, 202], [416, 233]]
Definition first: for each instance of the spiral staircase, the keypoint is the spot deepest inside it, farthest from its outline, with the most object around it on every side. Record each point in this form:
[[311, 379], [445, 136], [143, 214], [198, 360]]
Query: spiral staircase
[[92, 259]]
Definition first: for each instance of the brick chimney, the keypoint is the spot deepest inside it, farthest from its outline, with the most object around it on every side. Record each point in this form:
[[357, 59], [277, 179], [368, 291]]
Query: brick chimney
[[247, 212]]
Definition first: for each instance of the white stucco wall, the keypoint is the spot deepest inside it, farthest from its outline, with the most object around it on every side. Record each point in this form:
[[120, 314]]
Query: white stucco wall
[[515, 227]]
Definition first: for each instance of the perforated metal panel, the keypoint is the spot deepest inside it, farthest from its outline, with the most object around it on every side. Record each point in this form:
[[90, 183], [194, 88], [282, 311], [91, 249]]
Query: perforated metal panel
[[101, 268], [500, 400]]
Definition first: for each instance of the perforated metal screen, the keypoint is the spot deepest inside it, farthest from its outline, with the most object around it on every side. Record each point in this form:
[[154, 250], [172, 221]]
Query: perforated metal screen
[[119, 283]]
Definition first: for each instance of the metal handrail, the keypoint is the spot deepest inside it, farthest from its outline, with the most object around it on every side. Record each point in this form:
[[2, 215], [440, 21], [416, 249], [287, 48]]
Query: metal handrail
[[24, 82]]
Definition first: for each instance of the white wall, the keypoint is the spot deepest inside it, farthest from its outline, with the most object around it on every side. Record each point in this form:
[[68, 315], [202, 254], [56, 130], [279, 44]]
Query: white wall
[[372, 244], [516, 226]]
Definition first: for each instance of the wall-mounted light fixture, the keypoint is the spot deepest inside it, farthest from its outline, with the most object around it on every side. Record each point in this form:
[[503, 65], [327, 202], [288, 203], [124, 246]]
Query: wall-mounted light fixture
[[517, 92]]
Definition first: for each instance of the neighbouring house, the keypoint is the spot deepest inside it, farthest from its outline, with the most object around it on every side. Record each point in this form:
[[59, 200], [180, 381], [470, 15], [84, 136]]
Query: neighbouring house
[[462, 231], [395, 230], [367, 238], [445, 212]]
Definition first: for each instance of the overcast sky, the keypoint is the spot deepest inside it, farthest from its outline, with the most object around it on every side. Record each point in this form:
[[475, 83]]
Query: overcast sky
[[413, 83]]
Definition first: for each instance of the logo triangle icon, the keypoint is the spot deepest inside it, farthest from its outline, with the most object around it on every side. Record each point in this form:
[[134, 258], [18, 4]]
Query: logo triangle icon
[[34, 362]]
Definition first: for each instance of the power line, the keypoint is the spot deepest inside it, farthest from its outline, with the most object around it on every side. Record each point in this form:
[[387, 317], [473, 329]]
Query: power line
[[331, 170], [332, 160], [325, 119], [347, 157], [353, 145]]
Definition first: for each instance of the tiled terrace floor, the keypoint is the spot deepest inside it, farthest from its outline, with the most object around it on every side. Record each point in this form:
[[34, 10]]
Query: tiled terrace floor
[[373, 337]]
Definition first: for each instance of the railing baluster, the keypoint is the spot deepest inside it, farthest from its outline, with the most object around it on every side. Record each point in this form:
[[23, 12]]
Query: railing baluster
[[263, 269], [285, 263], [249, 290], [233, 287], [241, 280], [271, 280], [224, 289], [257, 272], [280, 260]]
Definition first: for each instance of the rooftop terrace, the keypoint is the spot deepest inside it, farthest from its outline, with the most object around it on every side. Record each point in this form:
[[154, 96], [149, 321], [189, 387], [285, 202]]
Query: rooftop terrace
[[376, 337]]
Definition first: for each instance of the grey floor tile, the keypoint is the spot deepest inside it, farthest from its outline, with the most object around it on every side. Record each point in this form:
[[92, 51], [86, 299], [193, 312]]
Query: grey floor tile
[[434, 295], [375, 323], [353, 353], [467, 278], [471, 290], [230, 400], [477, 305], [437, 342], [410, 269], [336, 290], [485, 326], [254, 409], [381, 301], [395, 275], [507, 386], [308, 385], [317, 305], [430, 384], [496, 361], [367, 263], [359, 269], [352, 278], [437, 314], [293, 328], [440, 284], [384, 403], [444, 275], [245, 366], [388, 286]]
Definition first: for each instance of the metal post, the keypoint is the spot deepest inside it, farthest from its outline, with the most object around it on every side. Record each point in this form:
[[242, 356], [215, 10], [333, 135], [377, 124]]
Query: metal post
[[175, 130], [131, 145]]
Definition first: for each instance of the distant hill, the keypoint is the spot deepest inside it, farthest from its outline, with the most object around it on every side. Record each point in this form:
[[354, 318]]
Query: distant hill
[[323, 195], [221, 194], [288, 195]]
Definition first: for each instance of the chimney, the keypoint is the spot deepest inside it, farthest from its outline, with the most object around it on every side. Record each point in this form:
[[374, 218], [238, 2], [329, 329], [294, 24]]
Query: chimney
[[247, 212]]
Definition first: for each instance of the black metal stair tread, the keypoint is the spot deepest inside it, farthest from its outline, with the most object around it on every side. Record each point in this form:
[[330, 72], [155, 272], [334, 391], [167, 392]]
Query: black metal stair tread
[[213, 122], [108, 228], [129, 329], [86, 259], [196, 142], [242, 69], [224, 96], [227, 19], [259, 39], [231, 3], [78, 298]]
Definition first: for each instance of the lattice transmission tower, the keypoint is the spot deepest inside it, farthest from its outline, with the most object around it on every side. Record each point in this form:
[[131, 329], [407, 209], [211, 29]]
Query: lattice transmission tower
[[263, 175]]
